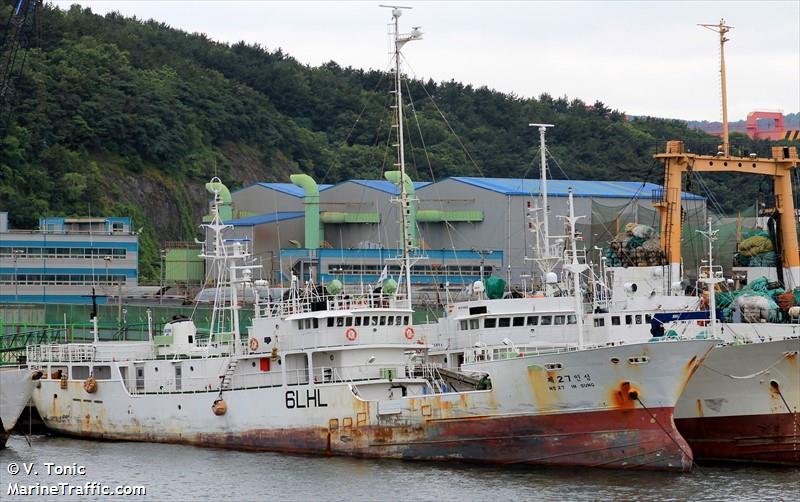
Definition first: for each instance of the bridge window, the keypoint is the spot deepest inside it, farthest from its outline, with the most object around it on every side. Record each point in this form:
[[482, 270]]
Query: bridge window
[[628, 319], [383, 320], [330, 322], [615, 320], [559, 320], [490, 322], [547, 320], [638, 318], [505, 322], [571, 319], [648, 318], [390, 320], [519, 321], [348, 321], [474, 323], [463, 324], [599, 322], [102, 372], [358, 320], [533, 320], [80, 372], [405, 319]]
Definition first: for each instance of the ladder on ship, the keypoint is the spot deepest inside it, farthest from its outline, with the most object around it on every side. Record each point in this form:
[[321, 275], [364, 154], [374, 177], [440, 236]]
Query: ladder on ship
[[227, 377]]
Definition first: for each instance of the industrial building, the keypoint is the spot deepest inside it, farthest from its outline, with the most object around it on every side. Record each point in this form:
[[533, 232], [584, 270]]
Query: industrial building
[[65, 258], [462, 226]]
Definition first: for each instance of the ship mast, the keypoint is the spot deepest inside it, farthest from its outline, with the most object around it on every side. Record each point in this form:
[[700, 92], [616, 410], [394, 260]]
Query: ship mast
[[405, 202], [722, 29], [575, 267], [545, 258], [711, 276]]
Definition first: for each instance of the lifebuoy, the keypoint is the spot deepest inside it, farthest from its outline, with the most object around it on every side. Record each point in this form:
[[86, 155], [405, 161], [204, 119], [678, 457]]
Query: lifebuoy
[[253, 344], [409, 333], [351, 334]]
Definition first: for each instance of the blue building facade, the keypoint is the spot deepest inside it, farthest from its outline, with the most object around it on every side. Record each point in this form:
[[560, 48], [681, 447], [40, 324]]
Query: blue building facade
[[66, 258]]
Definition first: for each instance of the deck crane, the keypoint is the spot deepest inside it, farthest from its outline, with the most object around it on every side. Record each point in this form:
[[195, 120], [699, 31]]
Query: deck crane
[[678, 161], [668, 200]]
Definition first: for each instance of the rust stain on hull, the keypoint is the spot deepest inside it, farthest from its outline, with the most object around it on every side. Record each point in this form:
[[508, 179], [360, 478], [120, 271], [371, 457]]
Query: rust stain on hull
[[624, 439]]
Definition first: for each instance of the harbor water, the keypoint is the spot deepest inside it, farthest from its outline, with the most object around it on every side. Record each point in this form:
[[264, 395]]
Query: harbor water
[[174, 472]]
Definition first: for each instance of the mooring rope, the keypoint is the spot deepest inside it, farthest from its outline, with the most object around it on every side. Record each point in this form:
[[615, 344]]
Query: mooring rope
[[761, 372], [775, 385], [680, 447]]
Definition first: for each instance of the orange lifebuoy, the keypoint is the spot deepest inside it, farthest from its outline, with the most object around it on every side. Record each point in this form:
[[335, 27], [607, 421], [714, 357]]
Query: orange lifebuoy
[[253, 344], [351, 334], [409, 333]]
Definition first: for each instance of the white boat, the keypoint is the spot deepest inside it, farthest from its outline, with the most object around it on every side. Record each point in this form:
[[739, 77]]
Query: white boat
[[329, 372], [742, 404], [16, 387]]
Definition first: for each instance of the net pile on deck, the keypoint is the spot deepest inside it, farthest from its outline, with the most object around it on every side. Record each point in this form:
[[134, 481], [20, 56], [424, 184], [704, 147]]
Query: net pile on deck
[[637, 246], [756, 250], [759, 301]]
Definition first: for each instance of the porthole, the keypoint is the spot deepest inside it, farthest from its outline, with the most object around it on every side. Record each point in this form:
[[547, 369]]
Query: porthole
[[553, 366], [614, 360]]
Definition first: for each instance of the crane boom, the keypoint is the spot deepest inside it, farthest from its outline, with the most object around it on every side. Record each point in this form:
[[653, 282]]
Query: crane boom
[[677, 161]]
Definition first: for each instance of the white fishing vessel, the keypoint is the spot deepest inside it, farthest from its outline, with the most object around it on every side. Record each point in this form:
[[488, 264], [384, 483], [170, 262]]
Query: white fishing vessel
[[16, 387], [332, 372]]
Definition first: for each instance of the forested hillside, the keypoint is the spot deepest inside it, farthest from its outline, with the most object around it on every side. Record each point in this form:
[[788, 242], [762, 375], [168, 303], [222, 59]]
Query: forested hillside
[[116, 116]]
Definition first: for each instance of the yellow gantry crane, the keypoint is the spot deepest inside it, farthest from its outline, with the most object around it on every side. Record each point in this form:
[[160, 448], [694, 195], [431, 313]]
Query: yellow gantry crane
[[677, 161]]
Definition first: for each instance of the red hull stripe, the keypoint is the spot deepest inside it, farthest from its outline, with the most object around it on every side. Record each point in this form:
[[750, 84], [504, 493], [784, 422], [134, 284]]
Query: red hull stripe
[[771, 438]]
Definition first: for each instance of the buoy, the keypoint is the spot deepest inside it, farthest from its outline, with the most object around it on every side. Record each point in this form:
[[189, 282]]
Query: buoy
[[63, 382], [351, 334], [274, 355], [409, 333], [90, 385], [220, 407], [253, 344]]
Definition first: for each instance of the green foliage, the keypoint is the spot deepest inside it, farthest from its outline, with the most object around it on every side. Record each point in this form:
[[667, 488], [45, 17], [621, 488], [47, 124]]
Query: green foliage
[[155, 99]]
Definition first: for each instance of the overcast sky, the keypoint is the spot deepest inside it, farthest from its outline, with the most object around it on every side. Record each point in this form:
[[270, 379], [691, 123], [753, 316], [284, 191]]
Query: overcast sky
[[644, 58]]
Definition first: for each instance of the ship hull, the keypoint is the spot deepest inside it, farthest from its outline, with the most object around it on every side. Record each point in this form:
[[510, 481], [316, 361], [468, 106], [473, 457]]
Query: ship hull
[[527, 418], [16, 388], [744, 404]]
